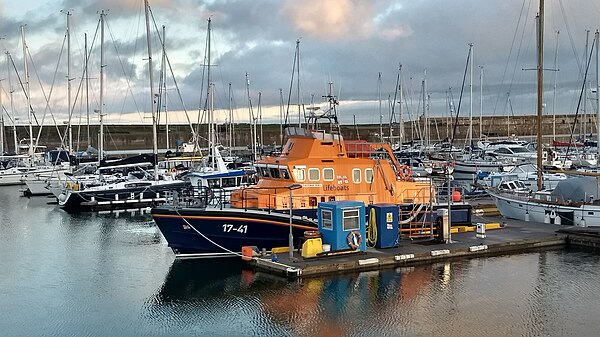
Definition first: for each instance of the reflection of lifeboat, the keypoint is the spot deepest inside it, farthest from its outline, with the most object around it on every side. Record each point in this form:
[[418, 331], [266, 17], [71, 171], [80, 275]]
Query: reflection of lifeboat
[[301, 311]]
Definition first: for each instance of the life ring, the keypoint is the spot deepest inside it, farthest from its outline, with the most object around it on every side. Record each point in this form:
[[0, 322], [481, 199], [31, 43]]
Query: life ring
[[404, 171], [172, 170], [354, 239]]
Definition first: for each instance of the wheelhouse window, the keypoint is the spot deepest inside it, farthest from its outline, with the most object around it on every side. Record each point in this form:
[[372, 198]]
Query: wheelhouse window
[[356, 175], [263, 172], [369, 175], [328, 174], [214, 183], [285, 174], [314, 174], [350, 219], [274, 172], [229, 182], [326, 218]]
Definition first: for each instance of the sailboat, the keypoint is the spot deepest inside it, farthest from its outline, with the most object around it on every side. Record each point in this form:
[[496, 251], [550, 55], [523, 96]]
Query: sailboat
[[138, 190], [17, 169], [213, 175], [574, 201]]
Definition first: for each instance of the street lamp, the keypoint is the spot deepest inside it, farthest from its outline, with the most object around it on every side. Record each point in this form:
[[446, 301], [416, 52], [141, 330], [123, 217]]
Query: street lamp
[[292, 187]]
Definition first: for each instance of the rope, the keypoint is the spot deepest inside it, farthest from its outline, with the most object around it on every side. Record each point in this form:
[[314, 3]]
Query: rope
[[372, 230], [204, 236]]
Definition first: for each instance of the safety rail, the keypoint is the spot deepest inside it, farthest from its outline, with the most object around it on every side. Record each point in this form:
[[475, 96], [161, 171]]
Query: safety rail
[[198, 196]]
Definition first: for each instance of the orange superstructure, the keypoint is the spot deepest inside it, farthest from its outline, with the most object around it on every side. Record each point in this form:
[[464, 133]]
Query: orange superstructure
[[320, 167]]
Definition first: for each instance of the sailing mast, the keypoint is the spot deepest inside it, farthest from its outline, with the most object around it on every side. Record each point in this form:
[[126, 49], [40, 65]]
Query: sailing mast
[[101, 110], [540, 91], [12, 106], [211, 136], [425, 116], [380, 114], [164, 84], [1, 123], [27, 93], [87, 90], [471, 97], [585, 116], [251, 119], [596, 41], [400, 113], [554, 88], [68, 14], [151, 77], [230, 94], [480, 102], [298, 80]]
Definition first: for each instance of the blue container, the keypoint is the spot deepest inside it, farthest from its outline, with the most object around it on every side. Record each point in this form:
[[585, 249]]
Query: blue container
[[386, 222], [342, 224]]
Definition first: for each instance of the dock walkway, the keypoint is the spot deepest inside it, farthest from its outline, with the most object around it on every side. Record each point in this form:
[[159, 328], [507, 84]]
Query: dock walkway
[[513, 236]]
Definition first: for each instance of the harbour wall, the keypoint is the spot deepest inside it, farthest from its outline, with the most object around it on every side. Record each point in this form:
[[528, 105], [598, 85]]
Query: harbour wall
[[127, 137]]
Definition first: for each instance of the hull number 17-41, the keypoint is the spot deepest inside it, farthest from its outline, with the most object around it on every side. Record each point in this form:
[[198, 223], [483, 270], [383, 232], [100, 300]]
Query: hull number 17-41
[[228, 228]]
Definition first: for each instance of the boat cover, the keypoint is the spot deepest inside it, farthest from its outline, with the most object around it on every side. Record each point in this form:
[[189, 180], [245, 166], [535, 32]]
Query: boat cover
[[577, 189]]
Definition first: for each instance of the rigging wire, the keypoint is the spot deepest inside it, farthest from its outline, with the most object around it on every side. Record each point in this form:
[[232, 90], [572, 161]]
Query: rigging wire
[[510, 53], [173, 76], [46, 97], [127, 77], [580, 99], [462, 89]]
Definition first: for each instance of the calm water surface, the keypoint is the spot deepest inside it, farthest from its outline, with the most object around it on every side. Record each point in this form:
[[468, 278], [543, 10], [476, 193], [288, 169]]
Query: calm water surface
[[102, 275]]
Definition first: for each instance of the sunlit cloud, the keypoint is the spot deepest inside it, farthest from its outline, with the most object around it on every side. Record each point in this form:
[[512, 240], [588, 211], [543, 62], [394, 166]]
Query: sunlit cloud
[[330, 19]]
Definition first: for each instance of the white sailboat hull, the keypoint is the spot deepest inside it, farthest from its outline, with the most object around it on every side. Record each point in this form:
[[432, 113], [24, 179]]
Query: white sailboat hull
[[11, 178], [519, 208]]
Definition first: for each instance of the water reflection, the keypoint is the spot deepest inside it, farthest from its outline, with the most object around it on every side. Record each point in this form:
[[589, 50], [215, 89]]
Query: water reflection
[[516, 294], [108, 274]]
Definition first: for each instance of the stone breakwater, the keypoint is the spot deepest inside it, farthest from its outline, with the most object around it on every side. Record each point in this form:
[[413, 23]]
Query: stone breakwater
[[125, 137]]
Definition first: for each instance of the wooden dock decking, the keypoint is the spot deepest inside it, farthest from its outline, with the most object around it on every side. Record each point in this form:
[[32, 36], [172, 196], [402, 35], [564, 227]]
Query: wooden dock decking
[[514, 236]]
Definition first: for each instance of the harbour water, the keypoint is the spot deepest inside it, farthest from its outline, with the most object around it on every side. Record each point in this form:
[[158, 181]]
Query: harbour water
[[107, 275]]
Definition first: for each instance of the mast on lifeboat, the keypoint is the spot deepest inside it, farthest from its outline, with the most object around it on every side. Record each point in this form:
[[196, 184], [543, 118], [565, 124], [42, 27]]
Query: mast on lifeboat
[[330, 114]]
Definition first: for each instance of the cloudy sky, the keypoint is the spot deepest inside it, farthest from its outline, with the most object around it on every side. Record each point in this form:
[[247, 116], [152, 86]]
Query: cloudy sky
[[346, 42]]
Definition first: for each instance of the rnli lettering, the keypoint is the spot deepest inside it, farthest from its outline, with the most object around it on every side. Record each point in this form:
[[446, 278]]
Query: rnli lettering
[[330, 188]]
